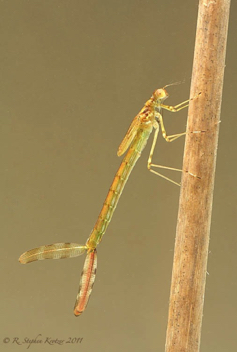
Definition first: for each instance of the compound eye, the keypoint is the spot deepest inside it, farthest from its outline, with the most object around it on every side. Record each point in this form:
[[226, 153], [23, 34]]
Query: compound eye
[[160, 94]]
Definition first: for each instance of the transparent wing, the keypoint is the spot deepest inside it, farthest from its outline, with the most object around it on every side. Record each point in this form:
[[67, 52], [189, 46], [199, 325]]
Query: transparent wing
[[131, 133]]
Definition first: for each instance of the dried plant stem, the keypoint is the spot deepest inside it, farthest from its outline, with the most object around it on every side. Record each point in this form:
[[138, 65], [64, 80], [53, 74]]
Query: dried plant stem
[[194, 218]]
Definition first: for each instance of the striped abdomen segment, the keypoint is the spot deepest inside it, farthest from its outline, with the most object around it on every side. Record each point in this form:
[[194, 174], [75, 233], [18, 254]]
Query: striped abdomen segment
[[117, 187], [86, 282], [53, 251]]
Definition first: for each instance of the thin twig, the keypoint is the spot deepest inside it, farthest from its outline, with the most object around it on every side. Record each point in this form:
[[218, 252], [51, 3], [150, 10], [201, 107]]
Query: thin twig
[[194, 218]]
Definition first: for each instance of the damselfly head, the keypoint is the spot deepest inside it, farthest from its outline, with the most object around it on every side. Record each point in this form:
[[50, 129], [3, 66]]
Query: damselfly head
[[160, 94]]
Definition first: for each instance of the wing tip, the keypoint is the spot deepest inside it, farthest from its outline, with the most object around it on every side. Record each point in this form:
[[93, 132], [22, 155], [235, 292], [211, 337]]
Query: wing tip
[[119, 152]]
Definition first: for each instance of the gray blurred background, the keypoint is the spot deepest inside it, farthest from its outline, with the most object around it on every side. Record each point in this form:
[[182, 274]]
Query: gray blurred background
[[73, 76]]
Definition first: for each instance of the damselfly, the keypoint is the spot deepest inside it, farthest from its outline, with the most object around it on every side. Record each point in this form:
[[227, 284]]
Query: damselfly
[[134, 142]]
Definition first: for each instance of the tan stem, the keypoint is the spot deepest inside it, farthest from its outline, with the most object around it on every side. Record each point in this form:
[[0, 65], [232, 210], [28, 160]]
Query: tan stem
[[194, 218]]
